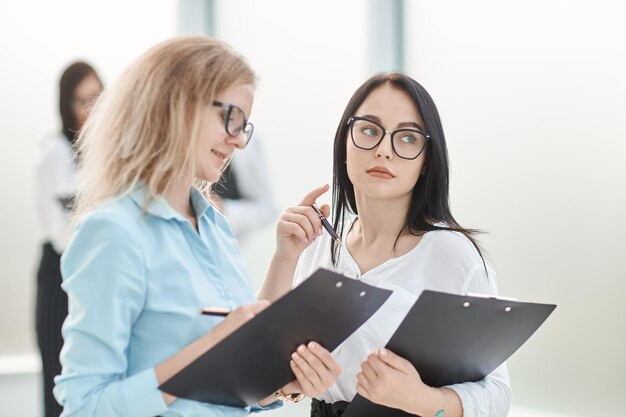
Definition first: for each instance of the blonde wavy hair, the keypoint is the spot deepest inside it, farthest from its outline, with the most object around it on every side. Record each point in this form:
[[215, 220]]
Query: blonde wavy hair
[[145, 127]]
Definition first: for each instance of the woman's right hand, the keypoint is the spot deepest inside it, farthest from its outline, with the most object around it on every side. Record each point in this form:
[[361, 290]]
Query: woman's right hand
[[300, 225], [172, 365]]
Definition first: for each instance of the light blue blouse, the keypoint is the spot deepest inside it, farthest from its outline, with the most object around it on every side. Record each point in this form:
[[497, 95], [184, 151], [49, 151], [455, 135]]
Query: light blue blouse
[[135, 282]]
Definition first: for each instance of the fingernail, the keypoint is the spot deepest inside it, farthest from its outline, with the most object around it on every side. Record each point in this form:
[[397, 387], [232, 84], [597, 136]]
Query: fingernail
[[312, 345], [383, 351], [294, 356], [301, 348], [292, 363]]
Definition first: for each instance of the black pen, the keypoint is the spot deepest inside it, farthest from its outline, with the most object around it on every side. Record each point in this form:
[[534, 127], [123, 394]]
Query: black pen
[[327, 225], [215, 311]]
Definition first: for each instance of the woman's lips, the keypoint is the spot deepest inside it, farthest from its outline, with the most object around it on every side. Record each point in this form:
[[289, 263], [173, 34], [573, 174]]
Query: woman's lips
[[219, 154], [380, 172]]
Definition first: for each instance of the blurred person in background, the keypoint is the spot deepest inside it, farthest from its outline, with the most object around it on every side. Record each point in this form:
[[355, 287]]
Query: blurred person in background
[[245, 191], [55, 171]]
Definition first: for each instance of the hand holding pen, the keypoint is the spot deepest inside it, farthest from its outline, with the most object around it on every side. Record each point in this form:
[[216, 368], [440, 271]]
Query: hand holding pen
[[314, 366], [232, 320], [301, 224], [326, 224], [215, 311]]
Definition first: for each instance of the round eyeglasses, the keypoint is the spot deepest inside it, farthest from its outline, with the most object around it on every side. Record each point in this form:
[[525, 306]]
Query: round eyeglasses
[[235, 120], [85, 103], [407, 143]]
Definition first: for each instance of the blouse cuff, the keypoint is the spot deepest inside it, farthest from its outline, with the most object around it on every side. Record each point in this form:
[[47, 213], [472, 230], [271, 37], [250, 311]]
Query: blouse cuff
[[141, 394], [470, 408], [257, 408]]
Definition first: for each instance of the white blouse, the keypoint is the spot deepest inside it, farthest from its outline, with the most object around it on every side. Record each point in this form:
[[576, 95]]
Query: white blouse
[[257, 206], [442, 261], [55, 184]]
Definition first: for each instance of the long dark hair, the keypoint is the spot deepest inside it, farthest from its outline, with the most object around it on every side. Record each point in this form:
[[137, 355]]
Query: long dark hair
[[72, 76], [429, 201]]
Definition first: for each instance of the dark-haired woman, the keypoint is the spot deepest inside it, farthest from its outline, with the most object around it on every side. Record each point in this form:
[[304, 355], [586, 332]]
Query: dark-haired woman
[[54, 190], [390, 198]]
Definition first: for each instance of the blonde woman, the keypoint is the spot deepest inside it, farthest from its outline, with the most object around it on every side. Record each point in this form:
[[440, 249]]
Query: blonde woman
[[149, 249]]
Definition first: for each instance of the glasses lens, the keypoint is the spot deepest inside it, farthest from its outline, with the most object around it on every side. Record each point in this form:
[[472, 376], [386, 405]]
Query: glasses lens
[[85, 103], [366, 134], [408, 143], [247, 131], [236, 121]]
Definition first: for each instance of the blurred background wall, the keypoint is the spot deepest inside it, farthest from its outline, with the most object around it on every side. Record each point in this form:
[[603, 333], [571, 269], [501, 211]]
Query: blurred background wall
[[532, 96]]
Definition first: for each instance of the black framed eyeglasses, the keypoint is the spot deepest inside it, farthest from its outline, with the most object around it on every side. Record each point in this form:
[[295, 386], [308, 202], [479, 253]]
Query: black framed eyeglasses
[[407, 143], [85, 103], [235, 120]]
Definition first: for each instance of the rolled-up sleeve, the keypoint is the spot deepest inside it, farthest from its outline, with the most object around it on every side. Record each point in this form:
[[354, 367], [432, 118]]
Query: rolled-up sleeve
[[104, 277], [490, 397]]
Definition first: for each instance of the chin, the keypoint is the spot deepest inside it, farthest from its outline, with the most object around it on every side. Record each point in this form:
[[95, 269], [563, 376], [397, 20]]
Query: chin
[[211, 177], [380, 190]]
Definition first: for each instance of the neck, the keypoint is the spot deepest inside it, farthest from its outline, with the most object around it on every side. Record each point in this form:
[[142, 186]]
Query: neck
[[178, 197], [380, 220]]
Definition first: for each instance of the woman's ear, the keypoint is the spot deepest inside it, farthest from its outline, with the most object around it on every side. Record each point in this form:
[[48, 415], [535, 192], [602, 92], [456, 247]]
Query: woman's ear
[[424, 170]]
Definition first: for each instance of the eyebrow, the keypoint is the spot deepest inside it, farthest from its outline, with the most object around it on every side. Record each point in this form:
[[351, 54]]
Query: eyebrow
[[403, 124]]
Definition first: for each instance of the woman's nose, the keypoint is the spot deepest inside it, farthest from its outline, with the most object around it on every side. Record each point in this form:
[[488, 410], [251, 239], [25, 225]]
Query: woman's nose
[[385, 148], [238, 141]]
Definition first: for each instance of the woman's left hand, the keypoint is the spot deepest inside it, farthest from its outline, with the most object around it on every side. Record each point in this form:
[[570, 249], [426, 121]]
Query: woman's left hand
[[315, 369], [390, 380]]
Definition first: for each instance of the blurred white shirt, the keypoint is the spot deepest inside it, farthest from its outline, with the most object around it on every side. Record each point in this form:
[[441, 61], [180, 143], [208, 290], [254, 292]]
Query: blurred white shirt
[[54, 187], [257, 206]]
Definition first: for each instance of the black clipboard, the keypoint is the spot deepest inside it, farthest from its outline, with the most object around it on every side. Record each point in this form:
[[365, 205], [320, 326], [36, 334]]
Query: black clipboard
[[454, 338], [253, 362]]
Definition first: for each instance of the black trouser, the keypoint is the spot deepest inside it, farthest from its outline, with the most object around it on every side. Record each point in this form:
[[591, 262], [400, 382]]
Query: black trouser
[[51, 310], [323, 409]]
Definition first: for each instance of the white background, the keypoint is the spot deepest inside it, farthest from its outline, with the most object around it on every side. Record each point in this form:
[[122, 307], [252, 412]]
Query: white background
[[533, 98]]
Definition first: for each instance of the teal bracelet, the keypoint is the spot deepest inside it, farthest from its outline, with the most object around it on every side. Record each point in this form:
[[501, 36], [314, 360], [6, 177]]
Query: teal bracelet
[[442, 412]]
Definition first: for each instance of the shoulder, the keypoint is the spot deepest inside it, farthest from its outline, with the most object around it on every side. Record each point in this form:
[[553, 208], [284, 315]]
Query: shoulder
[[54, 144], [105, 238], [453, 254], [118, 217], [452, 243], [53, 148]]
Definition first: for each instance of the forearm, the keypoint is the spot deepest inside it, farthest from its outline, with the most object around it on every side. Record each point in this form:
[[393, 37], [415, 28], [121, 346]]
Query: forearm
[[279, 278], [493, 394], [172, 365]]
